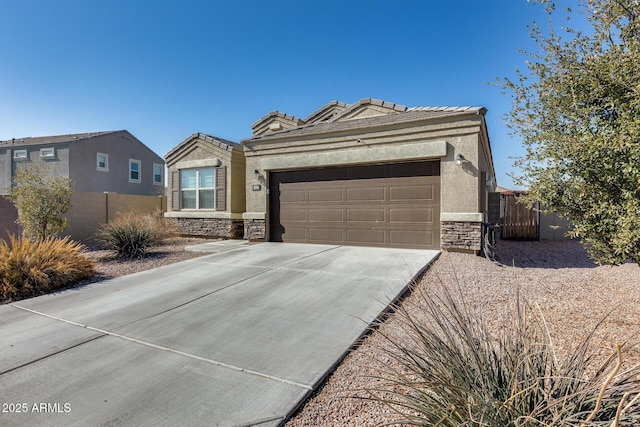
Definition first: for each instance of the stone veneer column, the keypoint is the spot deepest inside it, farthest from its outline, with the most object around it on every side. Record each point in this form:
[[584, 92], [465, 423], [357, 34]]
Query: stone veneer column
[[211, 227], [255, 229], [461, 235]]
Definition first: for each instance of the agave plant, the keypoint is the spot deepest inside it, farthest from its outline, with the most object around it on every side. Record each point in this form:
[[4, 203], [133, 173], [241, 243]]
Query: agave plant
[[451, 370]]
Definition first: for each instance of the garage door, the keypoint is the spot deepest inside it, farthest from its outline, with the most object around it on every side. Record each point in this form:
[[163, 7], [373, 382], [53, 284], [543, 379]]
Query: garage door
[[393, 205]]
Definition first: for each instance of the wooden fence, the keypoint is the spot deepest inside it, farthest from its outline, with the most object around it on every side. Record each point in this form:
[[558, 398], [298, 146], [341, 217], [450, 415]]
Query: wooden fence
[[519, 221]]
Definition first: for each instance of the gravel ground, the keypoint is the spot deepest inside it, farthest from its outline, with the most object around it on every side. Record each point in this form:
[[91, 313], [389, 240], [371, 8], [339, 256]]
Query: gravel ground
[[108, 266], [573, 293]]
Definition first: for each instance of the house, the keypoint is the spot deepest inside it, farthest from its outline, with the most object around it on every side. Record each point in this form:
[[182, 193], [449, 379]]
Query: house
[[207, 186], [97, 162], [113, 161], [371, 173]]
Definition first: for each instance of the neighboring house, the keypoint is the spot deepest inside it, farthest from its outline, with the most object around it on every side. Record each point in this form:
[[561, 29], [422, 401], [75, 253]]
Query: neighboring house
[[113, 161], [372, 173], [98, 163], [207, 186]]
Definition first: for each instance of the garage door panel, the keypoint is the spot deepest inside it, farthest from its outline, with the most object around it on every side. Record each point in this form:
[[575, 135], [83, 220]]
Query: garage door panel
[[326, 215], [294, 215], [329, 235], [411, 215], [365, 194], [292, 196], [365, 215], [411, 238], [328, 195], [381, 205], [295, 233], [366, 237], [411, 193]]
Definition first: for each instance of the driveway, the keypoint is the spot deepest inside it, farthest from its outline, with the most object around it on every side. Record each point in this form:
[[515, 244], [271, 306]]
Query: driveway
[[238, 337]]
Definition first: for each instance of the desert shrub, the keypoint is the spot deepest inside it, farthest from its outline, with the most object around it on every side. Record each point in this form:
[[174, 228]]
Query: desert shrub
[[451, 371], [130, 235], [29, 268]]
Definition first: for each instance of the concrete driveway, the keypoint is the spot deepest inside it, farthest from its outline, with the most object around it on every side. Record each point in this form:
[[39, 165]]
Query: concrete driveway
[[238, 337]]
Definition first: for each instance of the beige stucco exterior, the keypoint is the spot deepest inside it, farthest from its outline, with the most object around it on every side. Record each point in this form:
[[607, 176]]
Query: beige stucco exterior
[[201, 151], [424, 138]]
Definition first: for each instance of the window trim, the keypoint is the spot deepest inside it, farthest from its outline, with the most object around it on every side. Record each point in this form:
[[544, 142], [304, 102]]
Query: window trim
[[44, 153], [139, 163], [20, 154], [198, 188], [161, 174], [106, 162]]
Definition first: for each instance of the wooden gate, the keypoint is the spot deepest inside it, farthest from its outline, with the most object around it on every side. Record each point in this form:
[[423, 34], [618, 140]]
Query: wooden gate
[[520, 222]]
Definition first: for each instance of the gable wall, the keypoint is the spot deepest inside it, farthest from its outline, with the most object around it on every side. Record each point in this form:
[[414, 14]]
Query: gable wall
[[120, 147]]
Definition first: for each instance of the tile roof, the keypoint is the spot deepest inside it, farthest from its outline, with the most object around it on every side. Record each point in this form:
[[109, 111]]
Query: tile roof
[[53, 139], [214, 140], [324, 113], [403, 116]]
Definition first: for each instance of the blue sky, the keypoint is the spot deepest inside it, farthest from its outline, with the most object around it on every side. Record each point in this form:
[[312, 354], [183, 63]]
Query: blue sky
[[166, 69]]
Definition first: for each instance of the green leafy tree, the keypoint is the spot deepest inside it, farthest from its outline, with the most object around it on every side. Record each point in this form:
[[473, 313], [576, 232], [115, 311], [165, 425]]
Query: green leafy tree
[[577, 111], [43, 198]]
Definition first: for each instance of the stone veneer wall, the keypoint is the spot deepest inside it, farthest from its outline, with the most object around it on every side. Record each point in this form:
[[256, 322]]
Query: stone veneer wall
[[461, 235], [254, 229], [211, 227]]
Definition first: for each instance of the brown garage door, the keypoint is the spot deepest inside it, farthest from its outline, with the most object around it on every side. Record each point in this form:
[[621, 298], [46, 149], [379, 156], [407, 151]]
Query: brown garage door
[[394, 205]]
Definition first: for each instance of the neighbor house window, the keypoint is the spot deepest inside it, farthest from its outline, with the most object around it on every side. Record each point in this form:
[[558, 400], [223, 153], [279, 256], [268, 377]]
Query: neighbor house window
[[197, 188], [135, 169], [102, 162], [20, 154], [47, 153], [158, 174]]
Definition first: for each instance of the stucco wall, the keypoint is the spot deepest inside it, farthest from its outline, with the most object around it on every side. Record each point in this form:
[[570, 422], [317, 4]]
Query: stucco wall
[[442, 138], [200, 154], [120, 147], [90, 209]]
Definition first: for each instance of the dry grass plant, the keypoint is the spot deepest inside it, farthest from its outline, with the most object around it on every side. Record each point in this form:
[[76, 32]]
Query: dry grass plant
[[131, 234], [449, 370], [35, 267]]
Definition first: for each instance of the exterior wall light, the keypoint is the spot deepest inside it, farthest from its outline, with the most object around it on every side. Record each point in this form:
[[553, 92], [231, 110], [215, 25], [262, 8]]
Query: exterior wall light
[[459, 159]]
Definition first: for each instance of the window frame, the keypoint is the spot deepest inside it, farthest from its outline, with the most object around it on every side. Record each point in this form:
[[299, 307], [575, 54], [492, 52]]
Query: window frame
[[139, 171], [23, 151], [106, 162], [161, 182], [44, 153], [197, 189]]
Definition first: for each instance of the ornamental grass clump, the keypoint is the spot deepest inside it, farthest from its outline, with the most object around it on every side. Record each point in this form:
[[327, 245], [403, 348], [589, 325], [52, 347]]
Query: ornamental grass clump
[[450, 370], [35, 267], [131, 235]]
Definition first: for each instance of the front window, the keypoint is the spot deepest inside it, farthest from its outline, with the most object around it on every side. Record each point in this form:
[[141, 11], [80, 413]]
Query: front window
[[102, 163], [47, 153], [135, 170], [20, 154], [198, 188], [158, 172]]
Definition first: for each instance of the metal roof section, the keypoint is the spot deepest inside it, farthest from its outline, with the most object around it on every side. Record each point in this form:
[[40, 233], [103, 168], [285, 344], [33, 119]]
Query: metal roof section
[[454, 109], [369, 107]]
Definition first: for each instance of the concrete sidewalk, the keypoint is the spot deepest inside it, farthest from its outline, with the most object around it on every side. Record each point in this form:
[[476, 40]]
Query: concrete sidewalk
[[238, 337]]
